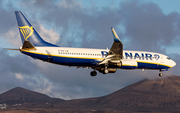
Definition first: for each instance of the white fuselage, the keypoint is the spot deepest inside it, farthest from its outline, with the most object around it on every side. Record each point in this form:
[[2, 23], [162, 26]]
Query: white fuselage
[[90, 57]]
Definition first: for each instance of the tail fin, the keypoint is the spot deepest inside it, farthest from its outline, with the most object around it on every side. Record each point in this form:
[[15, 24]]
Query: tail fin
[[27, 31]]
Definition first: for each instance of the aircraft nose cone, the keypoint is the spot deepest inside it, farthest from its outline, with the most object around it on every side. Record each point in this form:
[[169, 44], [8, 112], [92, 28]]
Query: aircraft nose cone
[[173, 63]]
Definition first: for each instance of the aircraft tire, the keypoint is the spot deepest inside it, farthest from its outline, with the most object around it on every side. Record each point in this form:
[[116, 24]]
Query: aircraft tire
[[160, 74], [93, 73], [106, 71]]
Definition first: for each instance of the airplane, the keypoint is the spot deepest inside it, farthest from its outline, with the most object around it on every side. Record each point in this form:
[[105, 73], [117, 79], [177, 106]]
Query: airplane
[[103, 60]]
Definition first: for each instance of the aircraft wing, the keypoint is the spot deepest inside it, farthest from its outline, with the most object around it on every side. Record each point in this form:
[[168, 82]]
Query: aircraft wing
[[116, 52]]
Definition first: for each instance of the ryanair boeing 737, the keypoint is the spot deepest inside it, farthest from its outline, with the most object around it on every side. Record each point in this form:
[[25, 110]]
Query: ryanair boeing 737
[[103, 60]]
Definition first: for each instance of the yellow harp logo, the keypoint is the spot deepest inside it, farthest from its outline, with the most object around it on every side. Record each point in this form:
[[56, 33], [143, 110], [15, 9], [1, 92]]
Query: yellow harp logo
[[26, 31]]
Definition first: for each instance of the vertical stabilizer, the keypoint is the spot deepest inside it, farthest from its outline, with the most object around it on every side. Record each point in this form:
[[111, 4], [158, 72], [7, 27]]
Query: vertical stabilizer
[[27, 31]]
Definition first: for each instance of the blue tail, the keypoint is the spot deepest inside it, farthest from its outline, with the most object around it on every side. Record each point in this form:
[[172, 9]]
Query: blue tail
[[27, 31]]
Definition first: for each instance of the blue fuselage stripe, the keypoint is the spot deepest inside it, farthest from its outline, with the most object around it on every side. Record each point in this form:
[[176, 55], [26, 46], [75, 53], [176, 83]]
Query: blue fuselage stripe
[[65, 60]]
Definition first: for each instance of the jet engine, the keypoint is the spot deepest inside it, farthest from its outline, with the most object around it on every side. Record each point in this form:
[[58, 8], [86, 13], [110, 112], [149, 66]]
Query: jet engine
[[129, 64], [110, 70]]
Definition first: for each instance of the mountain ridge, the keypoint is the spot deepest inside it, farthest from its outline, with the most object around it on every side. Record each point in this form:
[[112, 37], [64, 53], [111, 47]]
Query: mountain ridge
[[146, 95], [163, 92], [21, 95]]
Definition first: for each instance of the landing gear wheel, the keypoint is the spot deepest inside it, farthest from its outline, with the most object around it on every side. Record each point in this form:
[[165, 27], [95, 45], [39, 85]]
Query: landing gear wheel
[[160, 74], [93, 73], [106, 71]]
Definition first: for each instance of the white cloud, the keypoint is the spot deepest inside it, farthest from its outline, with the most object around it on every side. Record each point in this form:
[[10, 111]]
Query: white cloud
[[19, 76], [49, 35], [13, 37], [67, 4], [44, 85]]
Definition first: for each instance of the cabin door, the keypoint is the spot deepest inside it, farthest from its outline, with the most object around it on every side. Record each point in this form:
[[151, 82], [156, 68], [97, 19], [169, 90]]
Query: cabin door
[[49, 55], [162, 59]]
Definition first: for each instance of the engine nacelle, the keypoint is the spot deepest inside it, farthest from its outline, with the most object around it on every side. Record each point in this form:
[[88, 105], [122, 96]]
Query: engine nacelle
[[116, 63], [110, 70], [129, 64]]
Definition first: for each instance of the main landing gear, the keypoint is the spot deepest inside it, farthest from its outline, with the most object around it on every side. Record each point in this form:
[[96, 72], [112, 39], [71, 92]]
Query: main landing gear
[[101, 70], [93, 73]]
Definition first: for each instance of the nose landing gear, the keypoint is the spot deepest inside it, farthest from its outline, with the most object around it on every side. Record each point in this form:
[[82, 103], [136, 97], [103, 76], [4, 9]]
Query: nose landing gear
[[160, 73]]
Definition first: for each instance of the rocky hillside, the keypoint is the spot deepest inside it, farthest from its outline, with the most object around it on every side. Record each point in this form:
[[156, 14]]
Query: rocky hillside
[[162, 94], [20, 95]]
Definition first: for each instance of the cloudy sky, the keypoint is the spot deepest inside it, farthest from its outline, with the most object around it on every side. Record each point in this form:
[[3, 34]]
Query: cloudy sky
[[141, 25]]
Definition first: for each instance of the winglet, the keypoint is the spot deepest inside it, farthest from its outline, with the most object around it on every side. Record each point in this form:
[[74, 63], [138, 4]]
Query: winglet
[[116, 38]]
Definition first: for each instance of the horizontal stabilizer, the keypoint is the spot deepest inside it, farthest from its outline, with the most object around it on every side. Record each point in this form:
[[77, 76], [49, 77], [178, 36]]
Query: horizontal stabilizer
[[27, 45], [11, 49]]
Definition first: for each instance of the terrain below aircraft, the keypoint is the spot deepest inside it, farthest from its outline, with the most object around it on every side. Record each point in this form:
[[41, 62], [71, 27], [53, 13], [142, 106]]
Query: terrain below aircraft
[[103, 60]]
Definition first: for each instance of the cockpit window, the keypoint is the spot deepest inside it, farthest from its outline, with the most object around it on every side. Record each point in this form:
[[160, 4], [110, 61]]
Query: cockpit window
[[168, 58]]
